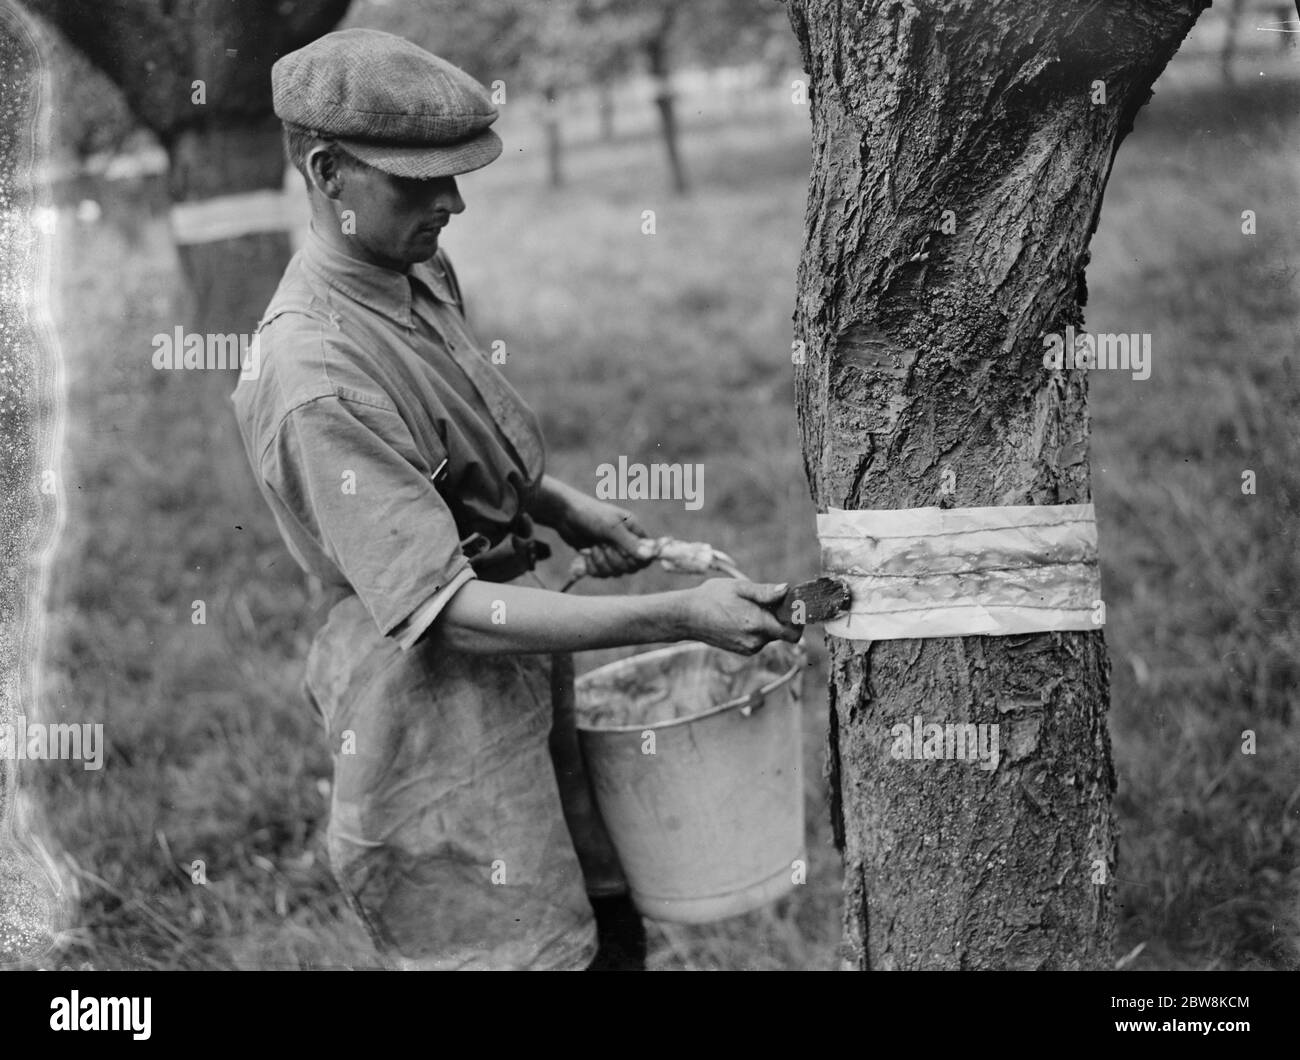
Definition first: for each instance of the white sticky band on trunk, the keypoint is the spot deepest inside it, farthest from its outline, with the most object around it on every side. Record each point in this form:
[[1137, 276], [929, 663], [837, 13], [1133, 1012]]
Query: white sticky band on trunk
[[959, 572], [230, 216]]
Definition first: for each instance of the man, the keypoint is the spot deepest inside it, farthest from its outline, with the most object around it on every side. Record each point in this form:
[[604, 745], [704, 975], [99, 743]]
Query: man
[[387, 447]]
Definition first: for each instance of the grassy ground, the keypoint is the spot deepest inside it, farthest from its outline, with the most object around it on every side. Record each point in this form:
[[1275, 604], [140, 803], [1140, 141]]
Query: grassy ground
[[1201, 579], [675, 347]]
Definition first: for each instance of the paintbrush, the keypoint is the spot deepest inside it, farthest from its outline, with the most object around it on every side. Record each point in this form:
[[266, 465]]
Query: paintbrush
[[813, 601]]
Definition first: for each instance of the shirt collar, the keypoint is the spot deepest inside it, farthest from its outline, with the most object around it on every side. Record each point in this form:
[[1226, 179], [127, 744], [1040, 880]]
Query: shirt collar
[[384, 290]]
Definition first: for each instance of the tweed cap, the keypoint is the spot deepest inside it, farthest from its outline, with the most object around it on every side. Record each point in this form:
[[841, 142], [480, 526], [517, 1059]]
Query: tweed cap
[[389, 102]]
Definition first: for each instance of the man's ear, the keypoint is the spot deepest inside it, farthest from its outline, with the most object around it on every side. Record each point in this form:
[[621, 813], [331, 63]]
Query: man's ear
[[324, 171]]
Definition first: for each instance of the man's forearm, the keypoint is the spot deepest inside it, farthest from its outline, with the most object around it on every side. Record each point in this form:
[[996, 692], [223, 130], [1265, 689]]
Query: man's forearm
[[485, 618], [553, 501]]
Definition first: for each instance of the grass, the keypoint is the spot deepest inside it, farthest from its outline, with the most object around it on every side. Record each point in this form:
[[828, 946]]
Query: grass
[[676, 347], [1201, 578]]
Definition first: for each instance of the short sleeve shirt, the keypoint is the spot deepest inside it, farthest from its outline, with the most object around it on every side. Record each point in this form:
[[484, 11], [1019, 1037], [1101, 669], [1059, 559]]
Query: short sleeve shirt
[[381, 434]]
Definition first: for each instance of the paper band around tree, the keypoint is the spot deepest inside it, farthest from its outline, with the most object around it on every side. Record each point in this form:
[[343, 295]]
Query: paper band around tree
[[960, 572], [230, 216]]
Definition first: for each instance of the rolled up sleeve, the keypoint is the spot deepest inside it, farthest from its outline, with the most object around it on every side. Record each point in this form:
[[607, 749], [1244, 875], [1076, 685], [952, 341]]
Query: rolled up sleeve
[[348, 471]]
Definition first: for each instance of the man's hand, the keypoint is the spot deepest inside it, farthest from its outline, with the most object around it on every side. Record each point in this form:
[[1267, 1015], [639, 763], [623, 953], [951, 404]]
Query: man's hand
[[615, 540], [737, 615]]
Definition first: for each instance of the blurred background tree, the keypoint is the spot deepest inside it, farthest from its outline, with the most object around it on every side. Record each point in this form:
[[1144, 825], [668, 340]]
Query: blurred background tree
[[93, 119], [196, 73], [554, 49]]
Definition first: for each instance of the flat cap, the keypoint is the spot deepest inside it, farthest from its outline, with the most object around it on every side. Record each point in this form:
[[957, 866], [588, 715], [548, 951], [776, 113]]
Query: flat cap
[[389, 102]]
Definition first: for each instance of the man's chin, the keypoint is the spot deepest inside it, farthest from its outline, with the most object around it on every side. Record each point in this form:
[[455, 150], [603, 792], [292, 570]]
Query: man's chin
[[418, 251]]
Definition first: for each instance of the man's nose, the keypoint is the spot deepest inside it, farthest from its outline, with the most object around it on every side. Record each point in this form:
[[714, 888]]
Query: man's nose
[[448, 198]]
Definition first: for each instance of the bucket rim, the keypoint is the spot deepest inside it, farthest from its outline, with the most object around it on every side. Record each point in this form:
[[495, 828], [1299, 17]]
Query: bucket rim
[[752, 699]]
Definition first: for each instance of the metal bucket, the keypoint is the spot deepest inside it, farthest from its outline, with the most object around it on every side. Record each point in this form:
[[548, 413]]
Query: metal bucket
[[695, 759]]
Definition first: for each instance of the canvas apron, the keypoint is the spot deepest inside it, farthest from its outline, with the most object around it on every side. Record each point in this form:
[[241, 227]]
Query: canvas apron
[[447, 826]]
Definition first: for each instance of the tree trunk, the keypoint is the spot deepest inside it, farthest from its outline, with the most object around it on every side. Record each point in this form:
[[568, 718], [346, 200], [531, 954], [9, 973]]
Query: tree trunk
[[1231, 28], [924, 361], [605, 111], [230, 280], [198, 74], [657, 56], [554, 143]]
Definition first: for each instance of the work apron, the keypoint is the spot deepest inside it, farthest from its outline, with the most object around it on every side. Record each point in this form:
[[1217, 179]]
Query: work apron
[[447, 828]]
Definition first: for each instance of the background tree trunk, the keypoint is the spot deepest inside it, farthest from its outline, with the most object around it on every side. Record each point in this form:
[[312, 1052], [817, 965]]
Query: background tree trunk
[[657, 59], [230, 281], [554, 142], [1232, 26], [223, 140], [924, 353], [605, 110]]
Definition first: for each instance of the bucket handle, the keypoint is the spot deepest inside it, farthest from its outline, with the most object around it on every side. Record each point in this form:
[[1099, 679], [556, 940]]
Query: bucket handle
[[682, 557], [677, 557], [757, 699]]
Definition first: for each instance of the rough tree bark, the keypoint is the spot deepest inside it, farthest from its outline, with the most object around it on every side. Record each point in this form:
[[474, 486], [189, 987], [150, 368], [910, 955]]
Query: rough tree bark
[[226, 144], [924, 355]]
